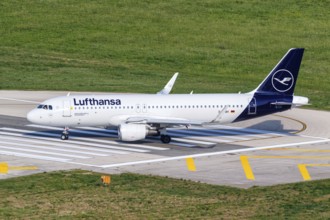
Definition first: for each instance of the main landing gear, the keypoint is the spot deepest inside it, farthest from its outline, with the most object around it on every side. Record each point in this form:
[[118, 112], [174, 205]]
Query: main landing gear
[[164, 137], [65, 134]]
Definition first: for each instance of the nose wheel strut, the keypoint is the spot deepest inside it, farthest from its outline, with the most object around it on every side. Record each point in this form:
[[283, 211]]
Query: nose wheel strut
[[65, 134]]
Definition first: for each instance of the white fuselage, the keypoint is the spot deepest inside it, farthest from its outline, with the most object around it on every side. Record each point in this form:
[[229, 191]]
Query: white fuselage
[[107, 110]]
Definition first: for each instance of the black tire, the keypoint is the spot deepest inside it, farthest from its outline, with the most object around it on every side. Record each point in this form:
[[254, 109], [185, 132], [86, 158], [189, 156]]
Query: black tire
[[64, 137], [165, 139]]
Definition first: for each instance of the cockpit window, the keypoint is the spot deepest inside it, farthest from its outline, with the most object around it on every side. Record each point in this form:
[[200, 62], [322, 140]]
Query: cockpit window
[[46, 107]]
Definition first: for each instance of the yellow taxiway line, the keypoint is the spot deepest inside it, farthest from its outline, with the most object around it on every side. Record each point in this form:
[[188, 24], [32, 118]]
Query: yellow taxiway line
[[190, 164], [302, 167], [304, 172], [247, 168], [299, 149], [4, 168], [290, 157]]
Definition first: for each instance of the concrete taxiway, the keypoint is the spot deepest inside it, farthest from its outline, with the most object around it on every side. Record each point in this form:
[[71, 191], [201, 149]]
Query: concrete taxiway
[[289, 147]]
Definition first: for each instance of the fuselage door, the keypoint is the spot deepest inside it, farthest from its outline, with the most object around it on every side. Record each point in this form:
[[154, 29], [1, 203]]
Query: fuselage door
[[252, 110], [66, 108], [141, 108]]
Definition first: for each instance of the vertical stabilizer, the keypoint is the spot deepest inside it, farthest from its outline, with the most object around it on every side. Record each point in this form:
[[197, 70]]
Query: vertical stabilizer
[[282, 79]]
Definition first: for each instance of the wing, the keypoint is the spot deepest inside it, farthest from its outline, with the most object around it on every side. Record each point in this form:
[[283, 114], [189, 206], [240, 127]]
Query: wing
[[163, 122]]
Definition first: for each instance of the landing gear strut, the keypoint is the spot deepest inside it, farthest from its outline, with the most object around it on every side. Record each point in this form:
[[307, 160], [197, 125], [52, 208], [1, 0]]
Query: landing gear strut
[[65, 134]]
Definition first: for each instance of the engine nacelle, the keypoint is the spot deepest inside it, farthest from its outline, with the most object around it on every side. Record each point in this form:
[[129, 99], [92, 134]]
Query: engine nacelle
[[132, 132]]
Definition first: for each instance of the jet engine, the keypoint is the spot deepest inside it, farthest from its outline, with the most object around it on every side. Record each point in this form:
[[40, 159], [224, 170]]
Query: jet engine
[[132, 132]]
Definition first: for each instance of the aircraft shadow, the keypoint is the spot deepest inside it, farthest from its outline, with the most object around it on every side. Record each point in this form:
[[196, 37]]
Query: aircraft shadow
[[265, 127]]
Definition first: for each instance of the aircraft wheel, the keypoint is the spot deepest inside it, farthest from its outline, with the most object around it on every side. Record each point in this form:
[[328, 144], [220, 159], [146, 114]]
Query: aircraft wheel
[[165, 139], [64, 136]]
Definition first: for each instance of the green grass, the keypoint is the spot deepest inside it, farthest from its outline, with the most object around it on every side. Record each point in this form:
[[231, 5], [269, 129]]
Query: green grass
[[80, 194], [136, 46]]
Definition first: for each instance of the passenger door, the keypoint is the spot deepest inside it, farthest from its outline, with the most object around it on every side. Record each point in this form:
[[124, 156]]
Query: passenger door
[[66, 108], [252, 110]]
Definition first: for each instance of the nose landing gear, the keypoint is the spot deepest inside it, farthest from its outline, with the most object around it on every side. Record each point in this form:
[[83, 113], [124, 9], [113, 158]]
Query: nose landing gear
[[65, 134]]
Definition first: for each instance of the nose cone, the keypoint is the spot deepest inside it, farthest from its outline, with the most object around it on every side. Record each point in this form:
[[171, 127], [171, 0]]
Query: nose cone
[[33, 117]]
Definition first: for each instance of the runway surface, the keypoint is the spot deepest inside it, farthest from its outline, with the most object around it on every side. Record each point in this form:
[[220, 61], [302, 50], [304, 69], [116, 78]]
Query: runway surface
[[290, 147]]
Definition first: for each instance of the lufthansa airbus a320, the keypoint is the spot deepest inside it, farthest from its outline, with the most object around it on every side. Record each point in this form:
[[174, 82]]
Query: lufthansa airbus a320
[[140, 115]]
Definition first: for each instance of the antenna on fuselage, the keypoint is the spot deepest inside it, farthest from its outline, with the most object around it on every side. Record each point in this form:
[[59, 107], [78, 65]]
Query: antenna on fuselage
[[68, 94]]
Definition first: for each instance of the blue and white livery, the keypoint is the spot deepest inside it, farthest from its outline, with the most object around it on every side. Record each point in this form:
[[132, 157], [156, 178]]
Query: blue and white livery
[[140, 115]]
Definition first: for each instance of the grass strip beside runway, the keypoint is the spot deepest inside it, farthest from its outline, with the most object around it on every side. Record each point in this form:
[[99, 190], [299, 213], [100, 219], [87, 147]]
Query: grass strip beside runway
[[80, 194]]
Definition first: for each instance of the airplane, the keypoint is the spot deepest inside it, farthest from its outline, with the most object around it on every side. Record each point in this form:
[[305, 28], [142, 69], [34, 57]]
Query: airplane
[[139, 115]]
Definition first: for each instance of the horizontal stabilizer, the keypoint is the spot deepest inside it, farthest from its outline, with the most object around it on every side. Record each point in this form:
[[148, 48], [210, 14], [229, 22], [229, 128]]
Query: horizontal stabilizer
[[296, 102], [281, 103]]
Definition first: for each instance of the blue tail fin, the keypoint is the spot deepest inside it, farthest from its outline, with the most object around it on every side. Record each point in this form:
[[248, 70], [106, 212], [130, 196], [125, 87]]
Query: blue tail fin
[[275, 93], [282, 79]]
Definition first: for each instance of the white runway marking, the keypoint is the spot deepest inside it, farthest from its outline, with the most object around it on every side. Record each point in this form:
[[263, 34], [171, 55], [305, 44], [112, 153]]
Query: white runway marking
[[209, 154], [207, 134], [20, 141], [51, 140], [212, 139], [72, 130], [72, 141], [193, 141], [205, 131], [8, 147], [102, 141], [251, 130], [10, 153], [191, 137], [220, 132], [28, 132], [114, 132], [56, 148]]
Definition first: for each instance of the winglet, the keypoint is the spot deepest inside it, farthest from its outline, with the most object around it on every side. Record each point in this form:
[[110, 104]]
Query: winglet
[[168, 87]]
